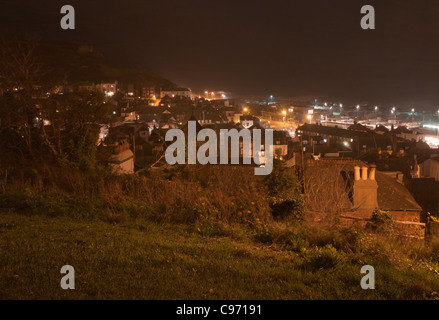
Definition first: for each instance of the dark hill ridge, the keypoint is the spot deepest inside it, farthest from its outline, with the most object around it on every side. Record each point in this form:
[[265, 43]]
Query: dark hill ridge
[[69, 63]]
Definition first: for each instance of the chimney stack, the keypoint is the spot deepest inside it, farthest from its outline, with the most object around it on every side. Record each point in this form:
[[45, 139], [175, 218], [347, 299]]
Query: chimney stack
[[365, 191]]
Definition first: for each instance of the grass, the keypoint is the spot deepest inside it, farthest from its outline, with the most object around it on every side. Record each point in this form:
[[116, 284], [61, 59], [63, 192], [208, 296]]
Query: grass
[[149, 260], [205, 233]]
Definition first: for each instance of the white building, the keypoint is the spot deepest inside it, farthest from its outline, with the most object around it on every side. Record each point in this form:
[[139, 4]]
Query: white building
[[182, 92]]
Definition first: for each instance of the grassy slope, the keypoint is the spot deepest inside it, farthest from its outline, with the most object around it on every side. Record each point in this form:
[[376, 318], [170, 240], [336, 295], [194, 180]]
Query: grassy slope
[[149, 260]]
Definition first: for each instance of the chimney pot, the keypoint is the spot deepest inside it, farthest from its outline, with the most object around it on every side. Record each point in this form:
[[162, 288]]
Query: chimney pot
[[364, 173], [372, 172], [357, 173]]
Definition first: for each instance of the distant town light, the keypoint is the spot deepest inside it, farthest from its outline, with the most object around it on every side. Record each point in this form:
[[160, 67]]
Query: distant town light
[[358, 106]]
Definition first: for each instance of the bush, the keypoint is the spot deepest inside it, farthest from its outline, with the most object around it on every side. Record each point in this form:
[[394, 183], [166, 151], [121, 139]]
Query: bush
[[321, 258], [292, 207], [263, 233], [283, 189], [382, 221]]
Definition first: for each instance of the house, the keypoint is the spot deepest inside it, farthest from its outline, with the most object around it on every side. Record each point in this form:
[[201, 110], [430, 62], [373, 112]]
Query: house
[[352, 190], [179, 92], [230, 113], [359, 127], [248, 121], [359, 142], [122, 159], [404, 133], [381, 129], [428, 168], [108, 89]]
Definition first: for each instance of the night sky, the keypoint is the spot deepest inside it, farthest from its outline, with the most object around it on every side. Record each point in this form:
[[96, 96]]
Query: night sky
[[308, 48]]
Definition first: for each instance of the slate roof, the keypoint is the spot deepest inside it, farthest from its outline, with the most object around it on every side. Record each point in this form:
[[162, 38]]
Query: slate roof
[[392, 195]]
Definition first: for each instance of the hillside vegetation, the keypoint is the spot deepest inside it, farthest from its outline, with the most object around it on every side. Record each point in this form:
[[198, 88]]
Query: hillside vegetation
[[203, 232]]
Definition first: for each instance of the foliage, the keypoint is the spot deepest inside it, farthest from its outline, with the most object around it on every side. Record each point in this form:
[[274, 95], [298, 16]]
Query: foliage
[[382, 221], [326, 257], [283, 188]]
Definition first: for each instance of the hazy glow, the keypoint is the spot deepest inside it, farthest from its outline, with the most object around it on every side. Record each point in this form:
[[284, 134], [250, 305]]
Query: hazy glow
[[433, 142]]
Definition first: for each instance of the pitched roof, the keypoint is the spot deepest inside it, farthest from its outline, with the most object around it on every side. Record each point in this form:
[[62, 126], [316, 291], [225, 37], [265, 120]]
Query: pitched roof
[[394, 196], [401, 129], [359, 127]]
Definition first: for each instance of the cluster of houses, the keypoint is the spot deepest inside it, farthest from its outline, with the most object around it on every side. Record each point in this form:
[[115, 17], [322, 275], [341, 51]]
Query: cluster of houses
[[357, 170], [146, 129]]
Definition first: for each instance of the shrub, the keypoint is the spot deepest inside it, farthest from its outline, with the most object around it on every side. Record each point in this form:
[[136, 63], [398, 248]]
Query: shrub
[[291, 240], [321, 257], [263, 233], [291, 207], [283, 189], [382, 221]]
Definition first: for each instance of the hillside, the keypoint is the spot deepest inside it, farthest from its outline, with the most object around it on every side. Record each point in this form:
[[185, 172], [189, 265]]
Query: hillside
[[189, 233], [72, 63]]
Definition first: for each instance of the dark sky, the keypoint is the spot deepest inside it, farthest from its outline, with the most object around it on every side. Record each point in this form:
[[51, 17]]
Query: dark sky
[[287, 48]]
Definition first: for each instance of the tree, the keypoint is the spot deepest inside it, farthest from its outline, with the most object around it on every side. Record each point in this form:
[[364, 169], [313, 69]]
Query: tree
[[20, 70], [283, 188]]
